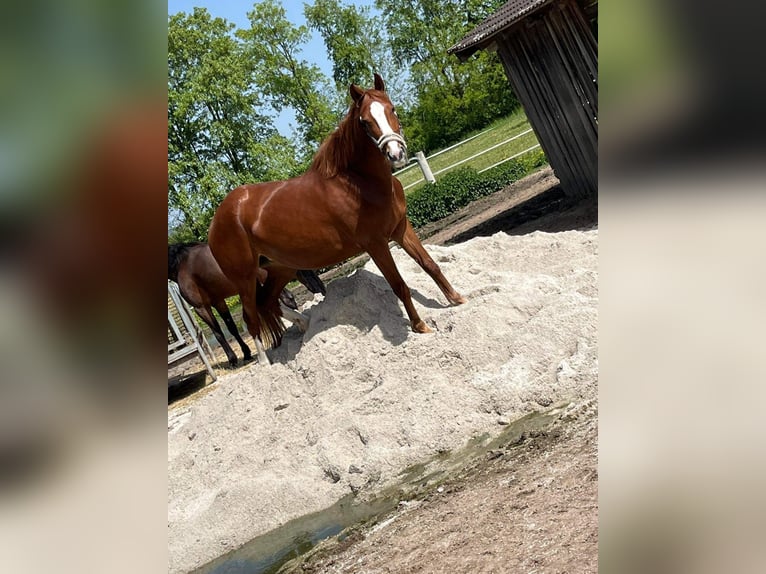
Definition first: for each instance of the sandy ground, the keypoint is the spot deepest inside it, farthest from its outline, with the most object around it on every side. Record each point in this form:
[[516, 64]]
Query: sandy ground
[[348, 405]]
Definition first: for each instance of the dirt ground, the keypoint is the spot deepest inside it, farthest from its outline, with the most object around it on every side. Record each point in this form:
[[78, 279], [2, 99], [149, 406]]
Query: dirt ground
[[528, 505]]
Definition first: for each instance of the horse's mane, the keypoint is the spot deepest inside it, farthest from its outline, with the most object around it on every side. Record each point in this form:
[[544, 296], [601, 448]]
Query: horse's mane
[[334, 155], [177, 253]]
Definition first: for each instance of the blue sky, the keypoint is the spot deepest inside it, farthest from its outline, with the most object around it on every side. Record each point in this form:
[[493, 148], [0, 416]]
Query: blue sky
[[235, 11]]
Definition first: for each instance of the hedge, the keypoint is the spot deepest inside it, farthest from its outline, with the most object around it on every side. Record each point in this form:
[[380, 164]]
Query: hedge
[[460, 187]]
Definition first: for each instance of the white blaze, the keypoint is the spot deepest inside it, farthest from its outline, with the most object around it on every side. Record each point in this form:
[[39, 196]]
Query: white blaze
[[378, 112]]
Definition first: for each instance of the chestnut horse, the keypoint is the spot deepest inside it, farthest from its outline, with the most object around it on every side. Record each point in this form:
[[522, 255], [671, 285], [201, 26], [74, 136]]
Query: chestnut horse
[[345, 204], [204, 286]]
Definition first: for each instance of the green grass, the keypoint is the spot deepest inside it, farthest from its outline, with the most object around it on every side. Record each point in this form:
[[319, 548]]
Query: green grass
[[494, 134]]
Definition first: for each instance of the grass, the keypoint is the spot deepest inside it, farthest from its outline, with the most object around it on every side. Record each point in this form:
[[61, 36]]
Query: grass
[[494, 134]]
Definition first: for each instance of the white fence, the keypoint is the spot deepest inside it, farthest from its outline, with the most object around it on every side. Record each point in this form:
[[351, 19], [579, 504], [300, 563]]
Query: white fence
[[422, 161]]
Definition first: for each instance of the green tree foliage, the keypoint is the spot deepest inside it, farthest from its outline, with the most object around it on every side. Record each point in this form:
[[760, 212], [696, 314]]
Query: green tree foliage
[[446, 112], [451, 98], [348, 36], [355, 43], [273, 46], [217, 138]]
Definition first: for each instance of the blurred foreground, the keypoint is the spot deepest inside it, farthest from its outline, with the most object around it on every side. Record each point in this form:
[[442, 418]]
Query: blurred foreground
[[83, 144], [682, 269]]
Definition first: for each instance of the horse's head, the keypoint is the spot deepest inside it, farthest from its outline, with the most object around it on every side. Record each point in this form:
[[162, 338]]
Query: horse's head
[[378, 116]]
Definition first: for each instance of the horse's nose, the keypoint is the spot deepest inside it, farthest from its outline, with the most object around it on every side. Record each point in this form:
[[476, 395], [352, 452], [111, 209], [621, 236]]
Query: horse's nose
[[396, 153]]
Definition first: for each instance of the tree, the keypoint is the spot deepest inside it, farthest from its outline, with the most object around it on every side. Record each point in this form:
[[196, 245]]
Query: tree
[[217, 137], [356, 45], [273, 45], [451, 98]]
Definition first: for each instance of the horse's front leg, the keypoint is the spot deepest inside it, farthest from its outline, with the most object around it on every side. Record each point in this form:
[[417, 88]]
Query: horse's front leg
[[381, 255], [409, 240]]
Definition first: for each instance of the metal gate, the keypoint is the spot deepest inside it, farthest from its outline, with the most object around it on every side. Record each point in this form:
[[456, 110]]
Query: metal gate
[[185, 339]]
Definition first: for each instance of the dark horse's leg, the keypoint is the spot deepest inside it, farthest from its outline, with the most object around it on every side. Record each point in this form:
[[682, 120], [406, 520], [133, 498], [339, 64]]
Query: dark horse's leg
[[223, 311], [206, 314], [381, 255], [408, 239]]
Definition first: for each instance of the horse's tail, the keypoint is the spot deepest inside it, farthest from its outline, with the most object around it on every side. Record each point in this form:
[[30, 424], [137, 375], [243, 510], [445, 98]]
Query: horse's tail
[[267, 298], [269, 323], [177, 253]]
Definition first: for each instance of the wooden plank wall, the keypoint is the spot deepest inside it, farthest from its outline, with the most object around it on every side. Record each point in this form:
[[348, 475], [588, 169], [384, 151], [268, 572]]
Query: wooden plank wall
[[551, 59]]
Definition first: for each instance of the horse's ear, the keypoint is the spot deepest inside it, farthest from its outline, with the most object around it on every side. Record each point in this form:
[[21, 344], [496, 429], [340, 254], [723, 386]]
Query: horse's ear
[[379, 85], [356, 93]]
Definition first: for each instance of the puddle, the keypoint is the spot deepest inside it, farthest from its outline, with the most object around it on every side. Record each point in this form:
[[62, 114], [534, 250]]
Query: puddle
[[267, 553]]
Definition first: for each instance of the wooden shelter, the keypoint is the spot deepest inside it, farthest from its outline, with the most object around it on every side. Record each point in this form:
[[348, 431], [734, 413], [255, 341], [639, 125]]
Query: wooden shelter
[[550, 55]]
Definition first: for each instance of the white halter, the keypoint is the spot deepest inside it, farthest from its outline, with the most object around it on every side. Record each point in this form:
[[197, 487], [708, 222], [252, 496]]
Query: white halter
[[385, 138]]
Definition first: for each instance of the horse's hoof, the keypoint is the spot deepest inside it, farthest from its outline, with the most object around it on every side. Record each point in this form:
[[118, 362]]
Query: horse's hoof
[[421, 327], [459, 300]]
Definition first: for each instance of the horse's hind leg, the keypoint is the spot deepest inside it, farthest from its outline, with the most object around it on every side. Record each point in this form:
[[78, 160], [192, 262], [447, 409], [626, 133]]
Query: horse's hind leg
[[247, 289], [223, 311], [206, 314], [408, 239]]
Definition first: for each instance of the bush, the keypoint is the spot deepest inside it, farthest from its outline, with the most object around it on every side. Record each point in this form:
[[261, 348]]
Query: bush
[[460, 187]]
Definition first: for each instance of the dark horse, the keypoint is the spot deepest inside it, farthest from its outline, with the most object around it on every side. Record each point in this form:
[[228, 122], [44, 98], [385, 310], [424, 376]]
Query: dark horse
[[204, 286], [346, 203]]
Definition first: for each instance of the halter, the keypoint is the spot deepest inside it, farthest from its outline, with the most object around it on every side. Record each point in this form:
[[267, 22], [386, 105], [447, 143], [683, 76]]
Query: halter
[[385, 138]]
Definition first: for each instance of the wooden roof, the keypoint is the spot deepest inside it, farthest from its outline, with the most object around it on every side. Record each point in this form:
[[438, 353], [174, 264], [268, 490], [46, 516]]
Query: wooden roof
[[506, 16], [510, 13]]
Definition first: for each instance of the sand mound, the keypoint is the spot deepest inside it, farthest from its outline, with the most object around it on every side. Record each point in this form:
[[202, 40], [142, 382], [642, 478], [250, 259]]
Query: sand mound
[[359, 397]]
